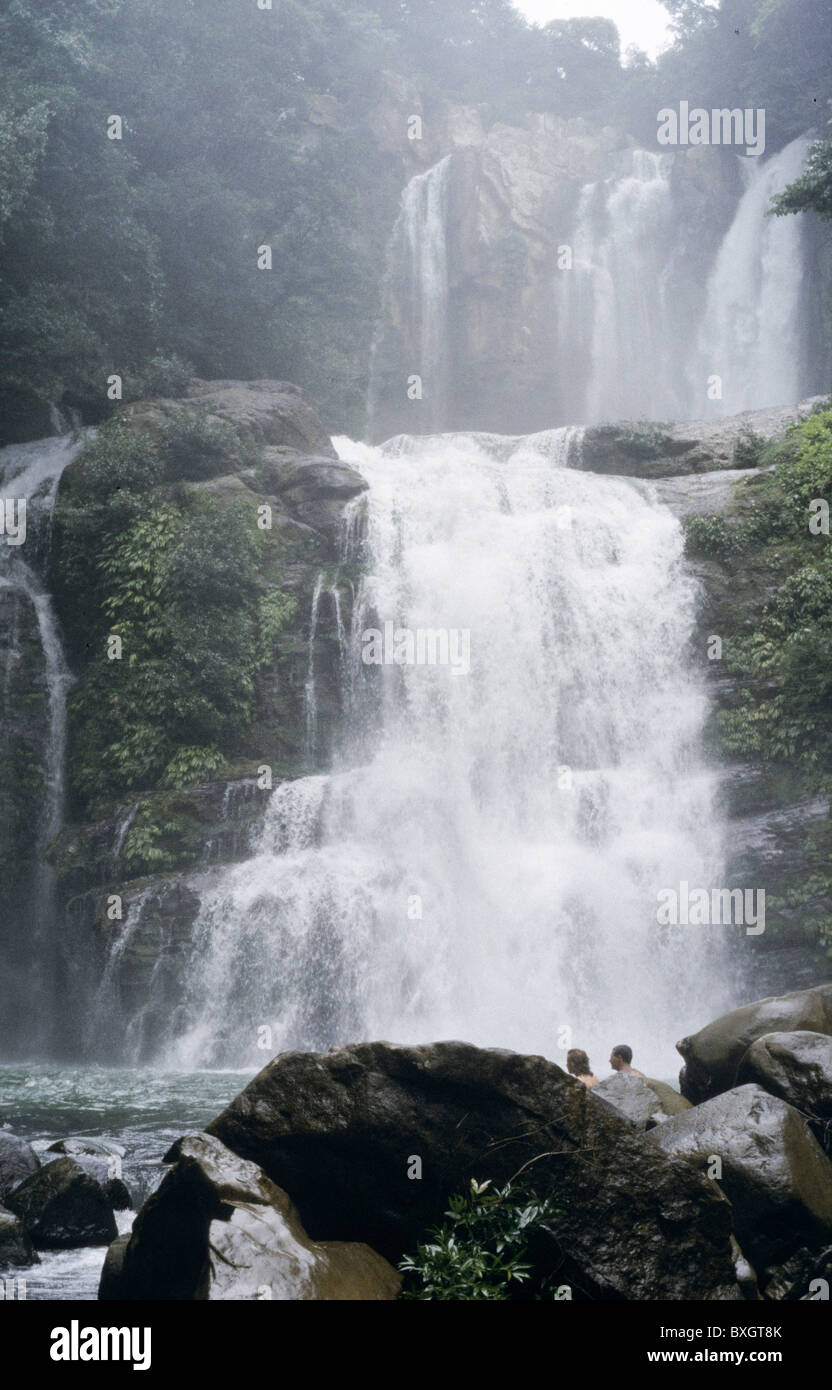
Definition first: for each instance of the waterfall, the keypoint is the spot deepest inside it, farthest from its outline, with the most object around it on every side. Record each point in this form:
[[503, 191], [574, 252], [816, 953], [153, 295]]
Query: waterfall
[[751, 334], [485, 857], [418, 253], [614, 325], [31, 473]]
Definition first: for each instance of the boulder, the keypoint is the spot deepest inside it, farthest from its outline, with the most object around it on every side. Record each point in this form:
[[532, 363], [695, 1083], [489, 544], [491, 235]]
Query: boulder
[[642, 449], [109, 1287], [217, 1229], [18, 1161], [340, 1132], [713, 1055], [62, 1206], [644, 1102], [102, 1162], [16, 1249], [797, 1067], [774, 1172], [273, 413]]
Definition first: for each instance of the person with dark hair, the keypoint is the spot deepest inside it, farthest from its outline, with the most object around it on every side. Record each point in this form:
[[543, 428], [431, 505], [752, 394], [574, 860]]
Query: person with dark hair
[[577, 1064], [620, 1059]]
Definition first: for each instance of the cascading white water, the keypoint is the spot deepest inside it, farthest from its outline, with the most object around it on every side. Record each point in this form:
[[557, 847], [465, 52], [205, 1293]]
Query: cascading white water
[[484, 862], [612, 309], [751, 334], [418, 250]]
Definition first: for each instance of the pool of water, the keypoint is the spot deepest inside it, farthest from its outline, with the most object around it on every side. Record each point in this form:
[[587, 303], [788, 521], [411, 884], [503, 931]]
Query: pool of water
[[142, 1110]]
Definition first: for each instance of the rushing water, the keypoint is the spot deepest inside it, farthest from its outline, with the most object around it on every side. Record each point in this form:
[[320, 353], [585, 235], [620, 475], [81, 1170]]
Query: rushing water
[[613, 317], [752, 335], [418, 252], [140, 1111], [484, 860]]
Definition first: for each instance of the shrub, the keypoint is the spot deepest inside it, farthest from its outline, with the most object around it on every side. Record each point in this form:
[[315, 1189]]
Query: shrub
[[749, 449], [482, 1250], [709, 535], [166, 376], [195, 447]]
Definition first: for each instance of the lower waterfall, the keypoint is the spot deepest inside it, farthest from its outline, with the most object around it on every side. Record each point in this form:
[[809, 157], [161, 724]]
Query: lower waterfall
[[483, 862]]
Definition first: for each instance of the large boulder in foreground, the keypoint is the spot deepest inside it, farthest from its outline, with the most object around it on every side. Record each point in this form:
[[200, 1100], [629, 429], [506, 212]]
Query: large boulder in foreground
[[797, 1067], [61, 1206], [713, 1055], [18, 1161], [341, 1133], [644, 1102], [218, 1229], [773, 1170]]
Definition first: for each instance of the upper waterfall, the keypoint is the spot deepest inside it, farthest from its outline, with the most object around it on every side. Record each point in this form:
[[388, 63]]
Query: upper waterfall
[[751, 334], [484, 860], [659, 289], [613, 322], [418, 247]]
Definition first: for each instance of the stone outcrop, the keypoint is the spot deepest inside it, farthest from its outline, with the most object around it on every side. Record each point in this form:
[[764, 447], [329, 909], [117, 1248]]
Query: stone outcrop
[[16, 1249], [797, 1067], [155, 849], [340, 1131], [61, 1206], [18, 1161], [769, 1164], [273, 413], [643, 450], [713, 1055], [644, 1102], [219, 1229]]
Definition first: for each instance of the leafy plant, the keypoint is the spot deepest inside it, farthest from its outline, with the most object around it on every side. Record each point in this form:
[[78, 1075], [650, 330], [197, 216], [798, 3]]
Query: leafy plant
[[482, 1250]]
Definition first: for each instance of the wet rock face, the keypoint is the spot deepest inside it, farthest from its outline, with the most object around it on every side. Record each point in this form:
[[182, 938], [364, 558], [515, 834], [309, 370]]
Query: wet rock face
[[644, 1102], [636, 449], [16, 1249], [274, 413], [151, 850], [61, 1207], [18, 1161], [797, 1067], [340, 1132], [218, 1229], [770, 1166], [713, 1055]]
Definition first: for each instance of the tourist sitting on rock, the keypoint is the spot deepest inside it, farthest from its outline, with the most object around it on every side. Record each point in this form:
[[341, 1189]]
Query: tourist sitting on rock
[[620, 1059], [577, 1064]]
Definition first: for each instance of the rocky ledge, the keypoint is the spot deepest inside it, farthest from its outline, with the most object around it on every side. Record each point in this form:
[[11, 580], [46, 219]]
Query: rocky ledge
[[643, 449]]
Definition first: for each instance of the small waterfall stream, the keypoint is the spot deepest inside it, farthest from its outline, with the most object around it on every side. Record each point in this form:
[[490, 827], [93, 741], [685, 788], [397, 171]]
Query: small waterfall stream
[[31, 473], [418, 252], [613, 317]]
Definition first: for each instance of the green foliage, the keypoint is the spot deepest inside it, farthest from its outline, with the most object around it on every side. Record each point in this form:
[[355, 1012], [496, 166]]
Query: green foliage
[[785, 661], [482, 1250], [812, 192], [176, 574], [194, 446], [748, 450], [165, 376], [709, 534]]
